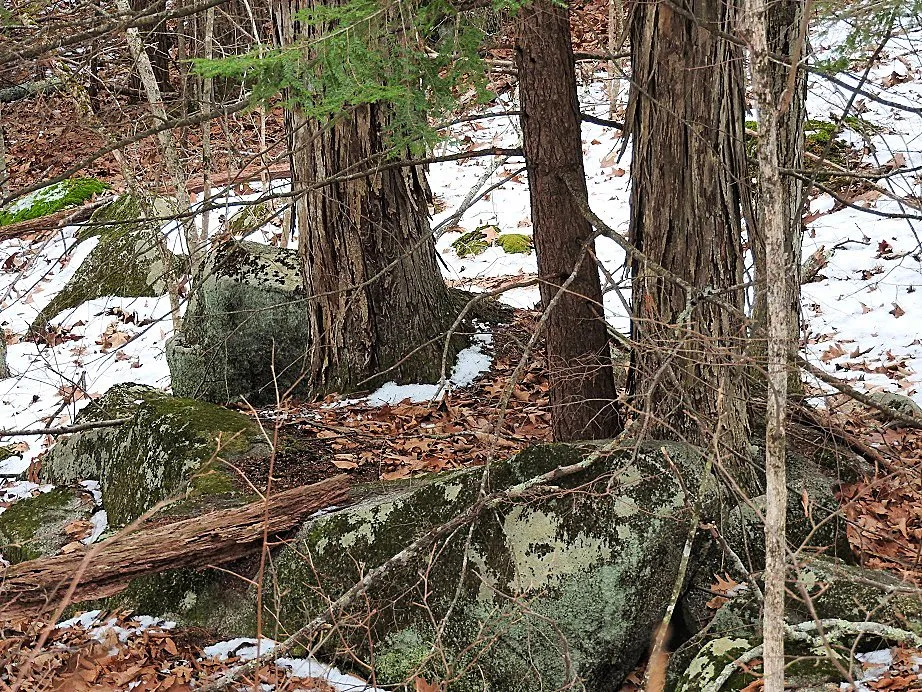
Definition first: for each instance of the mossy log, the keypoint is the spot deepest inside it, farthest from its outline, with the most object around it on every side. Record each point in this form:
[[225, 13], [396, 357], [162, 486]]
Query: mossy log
[[215, 538]]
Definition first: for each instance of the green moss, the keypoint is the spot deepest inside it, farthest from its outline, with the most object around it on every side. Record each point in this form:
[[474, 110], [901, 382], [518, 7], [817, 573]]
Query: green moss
[[158, 454], [515, 243], [48, 200], [471, 243], [34, 527], [862, 126], [212, 481], [822, 138], [402, 655]]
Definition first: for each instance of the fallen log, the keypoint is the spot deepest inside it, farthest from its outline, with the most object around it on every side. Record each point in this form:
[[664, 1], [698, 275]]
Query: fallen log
[[219, 537]]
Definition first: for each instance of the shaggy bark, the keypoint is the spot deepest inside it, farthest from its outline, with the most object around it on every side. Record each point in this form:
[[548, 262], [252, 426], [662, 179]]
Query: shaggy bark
[[582, 387], [215, 538], [350, 233], [686, 119]]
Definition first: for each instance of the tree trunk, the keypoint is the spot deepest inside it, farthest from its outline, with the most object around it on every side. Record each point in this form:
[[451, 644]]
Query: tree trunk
[[783, 23], [379, 302], [686, 117], [582, 387], [157, 44]]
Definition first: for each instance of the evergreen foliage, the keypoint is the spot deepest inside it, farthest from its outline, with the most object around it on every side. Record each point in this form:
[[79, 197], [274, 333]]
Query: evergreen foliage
[[417, 59]]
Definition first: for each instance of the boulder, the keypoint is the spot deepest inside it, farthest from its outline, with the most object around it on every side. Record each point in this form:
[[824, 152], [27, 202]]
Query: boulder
[[898, 402], [564, 585], [860, 609], [246, 317], [35, 527], [128, 260], [814, 521], [169, 446]]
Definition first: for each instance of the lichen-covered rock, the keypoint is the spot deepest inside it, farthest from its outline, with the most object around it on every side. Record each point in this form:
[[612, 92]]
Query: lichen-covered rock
[[245, 327], [840, 594], [48, 200], [34, 527], [580, 575], [170, 446], [514, 243], [128, 260], [898, 402], [814, 520]]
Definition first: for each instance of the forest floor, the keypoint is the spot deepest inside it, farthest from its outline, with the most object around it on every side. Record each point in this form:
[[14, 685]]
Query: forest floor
[[859, 309]]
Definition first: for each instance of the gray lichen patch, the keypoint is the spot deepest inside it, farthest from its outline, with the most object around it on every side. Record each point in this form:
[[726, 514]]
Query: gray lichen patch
[[170, 447], [34, 527], [575, 559]]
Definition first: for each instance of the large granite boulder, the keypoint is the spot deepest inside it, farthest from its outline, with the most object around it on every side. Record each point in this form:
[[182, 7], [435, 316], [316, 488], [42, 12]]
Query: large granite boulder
[[170, 446], [129, 260], [245, 330], [565, 585]]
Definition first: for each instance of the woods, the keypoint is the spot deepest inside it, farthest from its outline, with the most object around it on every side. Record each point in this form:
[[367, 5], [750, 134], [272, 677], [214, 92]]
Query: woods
[[449, 346]]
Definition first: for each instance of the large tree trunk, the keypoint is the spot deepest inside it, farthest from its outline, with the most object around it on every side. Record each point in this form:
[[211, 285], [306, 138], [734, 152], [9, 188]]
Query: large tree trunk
[[582, 387], [378, 299], [686, 118]]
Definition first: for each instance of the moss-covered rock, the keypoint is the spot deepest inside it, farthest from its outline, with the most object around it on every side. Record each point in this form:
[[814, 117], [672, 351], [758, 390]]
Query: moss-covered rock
[[170, 446], [471, 244], [48, 200], [840, 594], [514, 243], [128, 260], [246, 316], [814, 521], [580, 575], [248, 219], [34, 527]]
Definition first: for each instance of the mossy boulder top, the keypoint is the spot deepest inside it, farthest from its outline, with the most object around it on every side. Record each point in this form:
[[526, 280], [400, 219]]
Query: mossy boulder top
[[170, 446], [246, 327], [598, 557], [129, 259], [50, 199], [862, 610]]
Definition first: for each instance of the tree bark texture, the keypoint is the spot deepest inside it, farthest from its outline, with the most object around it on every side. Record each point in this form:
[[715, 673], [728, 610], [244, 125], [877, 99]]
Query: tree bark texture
[[158, 42], [582, 387], [783, 24], [378, 300], [219, 537], [686, 118], [775, 229]]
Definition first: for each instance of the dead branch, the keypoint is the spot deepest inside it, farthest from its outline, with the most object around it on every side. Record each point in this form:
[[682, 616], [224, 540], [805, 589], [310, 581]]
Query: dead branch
[[66, 429], [215, 538]]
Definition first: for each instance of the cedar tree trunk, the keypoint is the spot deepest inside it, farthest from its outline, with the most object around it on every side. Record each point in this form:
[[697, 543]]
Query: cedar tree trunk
[[350, 232], [582, 388], [686, 118]]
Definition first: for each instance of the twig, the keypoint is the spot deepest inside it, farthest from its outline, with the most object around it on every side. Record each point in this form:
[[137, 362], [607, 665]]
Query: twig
[[64, 430], [890, 413]]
